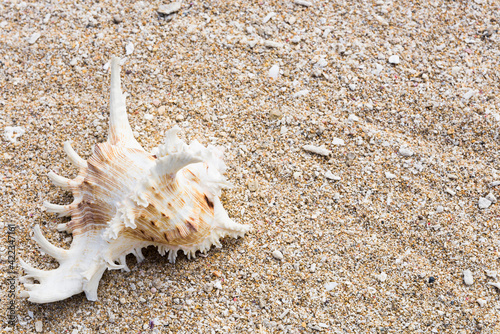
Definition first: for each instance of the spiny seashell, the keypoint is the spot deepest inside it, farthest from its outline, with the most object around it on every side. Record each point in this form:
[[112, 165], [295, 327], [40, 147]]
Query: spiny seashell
[[125, 199]]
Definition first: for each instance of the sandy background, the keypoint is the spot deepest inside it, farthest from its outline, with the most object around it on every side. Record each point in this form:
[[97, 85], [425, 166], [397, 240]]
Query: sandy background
[[375, 236]]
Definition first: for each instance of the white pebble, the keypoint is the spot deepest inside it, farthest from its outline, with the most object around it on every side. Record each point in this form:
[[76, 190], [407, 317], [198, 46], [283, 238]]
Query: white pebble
[[329, 175], [129, 48], [494, 184], [313, 268], [34, 38], [273, 44], [382, 277], [352, 86], [439, 209], [468, 280], [218, 285], [491, 274], [490, 197], [301, 93], [394, 59], [11, 133], [469, 94], [450, 191], [338, 141], [278, 255], [316, 149], [268, 17], [170, 8], [390, 176], [38, 326], [484, 203], [302, 3], [353, 118], [148, 117], [296, 39], [481, 302], [405, 152], [274, 71], [330, 286], [496, 284], [378, 69]]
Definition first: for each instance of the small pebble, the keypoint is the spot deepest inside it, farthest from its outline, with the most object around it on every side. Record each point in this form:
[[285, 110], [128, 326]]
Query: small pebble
[[161, 110], [353, 118], [338, 141], [405, 152], [129, 48], [218, 285], [394, 59], [496, 284], [491, 274], [469, 94], [481, 302], [382, 277], [253, 185], [302, 3], [274, 72], [38, 326], [494, 184], [439, 209], [316, 149], [432, 279], [301, 93], [208, 287], [490, 197], [330, 286], [11, 133], [170, 8], [390, 176], [329, 175], [278, 255], [276, 114], [34, 38], [273, 44], [117, 19], [468, 280], [268, 17], [484, 203], [313, 268]]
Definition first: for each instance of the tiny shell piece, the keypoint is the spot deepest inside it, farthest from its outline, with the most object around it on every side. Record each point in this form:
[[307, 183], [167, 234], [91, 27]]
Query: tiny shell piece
[[126, 199], [468, 279]]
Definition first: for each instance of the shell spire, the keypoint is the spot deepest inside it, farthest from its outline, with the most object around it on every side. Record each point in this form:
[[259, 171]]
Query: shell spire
[[125, 199], [120, 132]]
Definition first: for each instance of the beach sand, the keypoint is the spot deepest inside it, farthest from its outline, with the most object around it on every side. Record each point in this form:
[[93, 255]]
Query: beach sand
[[373, 235]]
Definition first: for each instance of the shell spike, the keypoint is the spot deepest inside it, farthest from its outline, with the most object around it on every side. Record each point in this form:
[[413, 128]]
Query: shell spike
[[73, 156], [119, 127], [172, 163], [61, 181], [61, 210], [30, 271], [90, 288], [58, 253]]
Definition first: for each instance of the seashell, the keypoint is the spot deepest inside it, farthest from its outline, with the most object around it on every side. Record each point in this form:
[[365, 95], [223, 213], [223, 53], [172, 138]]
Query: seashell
[[125, 199]]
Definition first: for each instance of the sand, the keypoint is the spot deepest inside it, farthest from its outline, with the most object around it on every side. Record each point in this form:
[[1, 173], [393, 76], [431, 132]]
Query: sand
[[372, 235]]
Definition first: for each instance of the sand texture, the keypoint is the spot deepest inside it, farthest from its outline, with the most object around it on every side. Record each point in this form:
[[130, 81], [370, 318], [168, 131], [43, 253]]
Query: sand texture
[[362, 139]]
